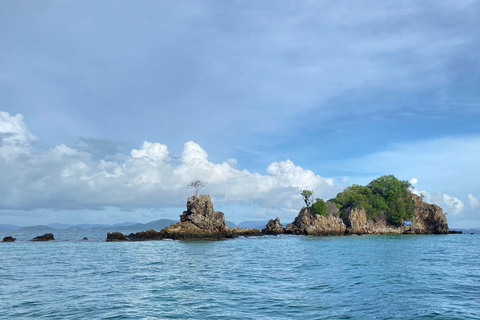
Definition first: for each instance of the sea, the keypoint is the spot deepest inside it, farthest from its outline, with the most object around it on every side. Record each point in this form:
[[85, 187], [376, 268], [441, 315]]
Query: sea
[[270, 277]]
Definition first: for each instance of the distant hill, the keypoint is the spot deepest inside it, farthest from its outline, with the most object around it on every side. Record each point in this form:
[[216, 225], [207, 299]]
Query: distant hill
[[153, 225], [40, 228], [231, 225], [126, 226], [253, 224], [8, 227], [468, 231]]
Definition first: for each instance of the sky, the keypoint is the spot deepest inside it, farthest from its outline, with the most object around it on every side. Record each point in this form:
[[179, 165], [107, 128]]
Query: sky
[[110, 108]]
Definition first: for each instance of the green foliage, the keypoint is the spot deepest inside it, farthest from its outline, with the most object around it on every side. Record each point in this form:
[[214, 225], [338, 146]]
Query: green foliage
[[307, 197], [319, 207], [386, 195]]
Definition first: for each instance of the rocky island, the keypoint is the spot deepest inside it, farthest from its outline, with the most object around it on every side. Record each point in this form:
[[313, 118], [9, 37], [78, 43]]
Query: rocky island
[[385, 206]]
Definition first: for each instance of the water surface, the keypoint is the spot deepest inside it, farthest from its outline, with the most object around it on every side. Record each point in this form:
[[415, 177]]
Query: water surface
[[285, 277]]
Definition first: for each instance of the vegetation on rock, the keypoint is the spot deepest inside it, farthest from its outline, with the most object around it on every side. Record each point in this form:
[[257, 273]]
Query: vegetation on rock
[[385, 196], [307, 197], [319, 207]]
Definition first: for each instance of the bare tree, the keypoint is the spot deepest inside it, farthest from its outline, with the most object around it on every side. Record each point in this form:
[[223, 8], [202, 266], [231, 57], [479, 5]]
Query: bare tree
[[197, 185]]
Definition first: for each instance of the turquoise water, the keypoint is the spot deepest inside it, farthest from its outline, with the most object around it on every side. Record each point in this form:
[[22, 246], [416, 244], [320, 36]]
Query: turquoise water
[[286, 277]]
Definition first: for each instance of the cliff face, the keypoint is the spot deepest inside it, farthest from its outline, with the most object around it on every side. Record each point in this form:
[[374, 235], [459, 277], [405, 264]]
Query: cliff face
[[199, 222], [308, 223], [429, 219]]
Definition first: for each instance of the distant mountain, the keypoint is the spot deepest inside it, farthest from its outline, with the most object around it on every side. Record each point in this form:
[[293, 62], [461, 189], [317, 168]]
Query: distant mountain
[[8, 227], [231, 225], [40, 228], [253, 224], [153, 225], [469, 231], [126, 226]]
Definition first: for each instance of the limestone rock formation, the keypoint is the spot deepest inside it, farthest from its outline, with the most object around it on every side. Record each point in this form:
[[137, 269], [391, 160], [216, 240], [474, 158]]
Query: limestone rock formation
[[9, 239], [199, 222], [274, 227], [428, 219], [308, 223], [45, 237], [355, 220]]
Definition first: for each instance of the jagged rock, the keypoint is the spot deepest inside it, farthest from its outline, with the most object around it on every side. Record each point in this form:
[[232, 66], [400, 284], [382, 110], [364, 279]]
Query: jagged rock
[[45, 237], [9, 239], [199, 222], [455, 232], [246, 232], [115, 236], [308, 223], [429, 218], [332, 209], [274, 227]]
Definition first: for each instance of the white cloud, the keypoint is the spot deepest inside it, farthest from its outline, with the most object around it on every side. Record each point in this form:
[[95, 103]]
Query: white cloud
[[15, 139], [413, 181], [66, 178], [450, 205], [474, 202]]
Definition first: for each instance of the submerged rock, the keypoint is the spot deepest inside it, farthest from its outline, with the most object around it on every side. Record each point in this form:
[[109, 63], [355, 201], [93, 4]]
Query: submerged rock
[[246, 232], [199, 222], [45, 237], [274, 227], [9, 239], [307, 223], [455, 232]]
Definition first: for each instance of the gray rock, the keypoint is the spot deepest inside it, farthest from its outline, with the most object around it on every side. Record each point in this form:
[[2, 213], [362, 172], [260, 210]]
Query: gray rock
[[274, 227]]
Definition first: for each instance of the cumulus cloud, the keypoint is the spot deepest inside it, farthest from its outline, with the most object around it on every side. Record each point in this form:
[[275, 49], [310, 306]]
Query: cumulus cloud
[[474, 202], [451, 205], [67, 178], [15, 139]]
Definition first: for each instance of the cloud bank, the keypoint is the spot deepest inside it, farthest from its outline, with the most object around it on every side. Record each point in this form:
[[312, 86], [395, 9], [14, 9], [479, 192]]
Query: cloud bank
[[67, 178]]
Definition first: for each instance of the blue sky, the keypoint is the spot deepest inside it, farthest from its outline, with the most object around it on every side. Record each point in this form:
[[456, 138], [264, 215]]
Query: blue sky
[[275, 95]]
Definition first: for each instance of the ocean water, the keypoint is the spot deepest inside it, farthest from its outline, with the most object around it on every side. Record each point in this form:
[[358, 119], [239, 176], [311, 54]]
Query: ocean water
[[284, 277]]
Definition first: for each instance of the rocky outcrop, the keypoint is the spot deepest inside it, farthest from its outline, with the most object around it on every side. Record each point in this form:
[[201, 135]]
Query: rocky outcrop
[[455, 232], [9, 239], [115, 236], [307, 223], [246, 232], [273, 227], [139, 236], [429, 218], [199, 222], [45, 237]]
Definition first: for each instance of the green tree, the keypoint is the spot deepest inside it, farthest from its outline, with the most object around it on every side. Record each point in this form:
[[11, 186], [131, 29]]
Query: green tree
[[386, 196], [319, 207], [307, 197]]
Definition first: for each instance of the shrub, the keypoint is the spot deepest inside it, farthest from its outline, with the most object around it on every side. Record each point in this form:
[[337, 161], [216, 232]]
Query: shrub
[[319, 207]]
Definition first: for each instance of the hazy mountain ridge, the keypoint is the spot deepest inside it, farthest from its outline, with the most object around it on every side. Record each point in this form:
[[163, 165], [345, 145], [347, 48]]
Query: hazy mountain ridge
[[126, 226]]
